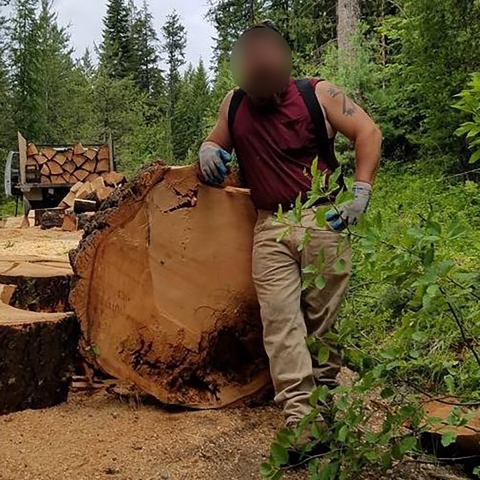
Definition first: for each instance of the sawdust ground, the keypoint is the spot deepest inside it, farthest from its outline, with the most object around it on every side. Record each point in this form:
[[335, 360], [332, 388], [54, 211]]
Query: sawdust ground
[[99, 437], [34, 241]]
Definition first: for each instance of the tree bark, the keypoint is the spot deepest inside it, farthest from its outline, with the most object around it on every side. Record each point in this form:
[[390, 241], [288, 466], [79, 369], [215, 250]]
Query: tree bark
[[348, 14], [38, 349], [163, 290]]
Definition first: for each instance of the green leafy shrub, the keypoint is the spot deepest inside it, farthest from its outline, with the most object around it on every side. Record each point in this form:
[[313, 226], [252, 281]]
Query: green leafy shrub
[[470, 103], [410, 324]]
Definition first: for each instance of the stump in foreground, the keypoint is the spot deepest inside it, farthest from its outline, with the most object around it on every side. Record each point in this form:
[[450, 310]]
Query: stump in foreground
[[37, 356], [164, 294], [43, 285]]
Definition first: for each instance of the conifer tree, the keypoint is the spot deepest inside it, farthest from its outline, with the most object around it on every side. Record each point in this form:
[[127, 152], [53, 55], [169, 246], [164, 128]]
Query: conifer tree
[[175, 43], [116, 52], [23, 64], [145, 45], [54, 70]]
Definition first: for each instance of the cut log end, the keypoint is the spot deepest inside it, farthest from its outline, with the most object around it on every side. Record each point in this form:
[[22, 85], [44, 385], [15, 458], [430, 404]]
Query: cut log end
[[140, 254]]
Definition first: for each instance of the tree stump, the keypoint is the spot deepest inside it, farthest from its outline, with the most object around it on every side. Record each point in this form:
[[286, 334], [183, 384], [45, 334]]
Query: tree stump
[[42, 285], [38, 354], [164, 294]]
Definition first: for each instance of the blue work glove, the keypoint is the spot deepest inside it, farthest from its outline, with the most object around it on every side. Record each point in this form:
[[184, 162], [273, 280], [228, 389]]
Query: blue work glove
[[213, 163], [350, 213]]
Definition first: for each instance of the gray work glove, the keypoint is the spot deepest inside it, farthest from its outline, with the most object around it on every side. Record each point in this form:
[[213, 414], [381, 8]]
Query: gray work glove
[[213, 163], [350, 213]]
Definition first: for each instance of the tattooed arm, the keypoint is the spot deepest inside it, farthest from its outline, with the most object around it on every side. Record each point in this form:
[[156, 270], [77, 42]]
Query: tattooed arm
[[349, 119]]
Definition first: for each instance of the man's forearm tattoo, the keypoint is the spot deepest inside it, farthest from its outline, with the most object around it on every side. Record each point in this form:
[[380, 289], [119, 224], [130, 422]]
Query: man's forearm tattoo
[[348, 106]]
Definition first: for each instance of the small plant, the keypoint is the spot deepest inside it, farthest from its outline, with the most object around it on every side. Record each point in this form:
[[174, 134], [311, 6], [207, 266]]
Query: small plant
[[430, 285], [470, 103]]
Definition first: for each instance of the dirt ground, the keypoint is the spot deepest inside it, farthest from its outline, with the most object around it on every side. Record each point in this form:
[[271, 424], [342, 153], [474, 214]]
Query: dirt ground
[[102, 436]]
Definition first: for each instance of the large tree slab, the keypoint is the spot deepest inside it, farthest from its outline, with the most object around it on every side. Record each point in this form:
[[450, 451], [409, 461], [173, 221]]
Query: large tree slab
[[164, 292], [38, 352], [43, 285]]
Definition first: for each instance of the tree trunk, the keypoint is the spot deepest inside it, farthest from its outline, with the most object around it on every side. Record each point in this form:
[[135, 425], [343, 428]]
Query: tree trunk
[[348, 14], [164, 292]]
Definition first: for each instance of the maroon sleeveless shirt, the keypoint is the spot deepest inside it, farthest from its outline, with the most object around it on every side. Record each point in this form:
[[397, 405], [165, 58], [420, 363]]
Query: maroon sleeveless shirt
[[275, 149]]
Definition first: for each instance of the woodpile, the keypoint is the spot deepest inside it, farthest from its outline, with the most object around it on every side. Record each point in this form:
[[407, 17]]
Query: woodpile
[[86, 198], [67, 165], [38, 338], [163, 290]]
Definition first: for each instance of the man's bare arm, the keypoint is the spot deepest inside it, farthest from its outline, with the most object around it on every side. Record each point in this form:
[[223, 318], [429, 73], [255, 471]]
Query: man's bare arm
[[220, 135], [215, 152], [352, 121]]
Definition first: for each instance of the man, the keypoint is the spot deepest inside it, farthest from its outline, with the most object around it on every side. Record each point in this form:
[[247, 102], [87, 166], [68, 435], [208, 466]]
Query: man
[[270, 125]]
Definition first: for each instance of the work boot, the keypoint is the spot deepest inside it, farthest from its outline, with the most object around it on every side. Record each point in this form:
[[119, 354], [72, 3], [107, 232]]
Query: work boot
[[310, 441]]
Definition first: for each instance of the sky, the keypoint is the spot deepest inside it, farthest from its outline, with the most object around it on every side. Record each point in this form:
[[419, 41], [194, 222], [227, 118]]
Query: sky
[[85, 20]]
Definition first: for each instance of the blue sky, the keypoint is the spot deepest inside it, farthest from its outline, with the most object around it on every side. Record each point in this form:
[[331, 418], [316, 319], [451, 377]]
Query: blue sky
[[85, 20]]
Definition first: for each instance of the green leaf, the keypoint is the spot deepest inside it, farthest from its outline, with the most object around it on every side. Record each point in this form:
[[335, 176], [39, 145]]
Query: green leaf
[[333, 180], [320, 218], [419, 336], [307, 283], [340, 266], [285, 438], [475, 157], [310, 270], [329, 472], [343, 433], [320, 395], [387, 393], [372, 456], [320, 282], [323, 355], [450, 383], [342, 403], [344, 197], [314, 169], [408, 444], [476, 471], [266, 470], [279, 455], [457, 229], [448, 439]]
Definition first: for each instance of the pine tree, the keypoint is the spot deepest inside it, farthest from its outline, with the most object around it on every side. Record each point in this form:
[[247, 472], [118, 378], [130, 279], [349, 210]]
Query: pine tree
[[190, 119], [230, 18], [145, 44], [6, 124], [55, 67], [116, 53], [175, 43], [23, 64]]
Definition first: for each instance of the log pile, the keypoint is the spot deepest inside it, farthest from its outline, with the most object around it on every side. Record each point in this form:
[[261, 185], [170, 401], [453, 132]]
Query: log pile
[[163, 290], [38, 338], [67, 165], [85, 198]]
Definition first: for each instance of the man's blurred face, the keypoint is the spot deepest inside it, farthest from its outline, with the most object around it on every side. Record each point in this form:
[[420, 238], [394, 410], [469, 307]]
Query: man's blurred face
[[261, 62]]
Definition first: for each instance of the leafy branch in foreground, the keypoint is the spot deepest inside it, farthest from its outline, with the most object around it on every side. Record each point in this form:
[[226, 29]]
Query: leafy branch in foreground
[[432, 286]]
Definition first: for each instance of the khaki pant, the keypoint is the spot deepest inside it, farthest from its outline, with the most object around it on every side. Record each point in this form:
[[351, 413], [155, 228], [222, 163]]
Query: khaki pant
[[289, 314]]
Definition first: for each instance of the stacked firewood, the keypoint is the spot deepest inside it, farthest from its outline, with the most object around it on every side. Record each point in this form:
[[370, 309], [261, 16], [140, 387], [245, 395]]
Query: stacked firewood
[[85, 198], [67, 165], [81, 203]]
